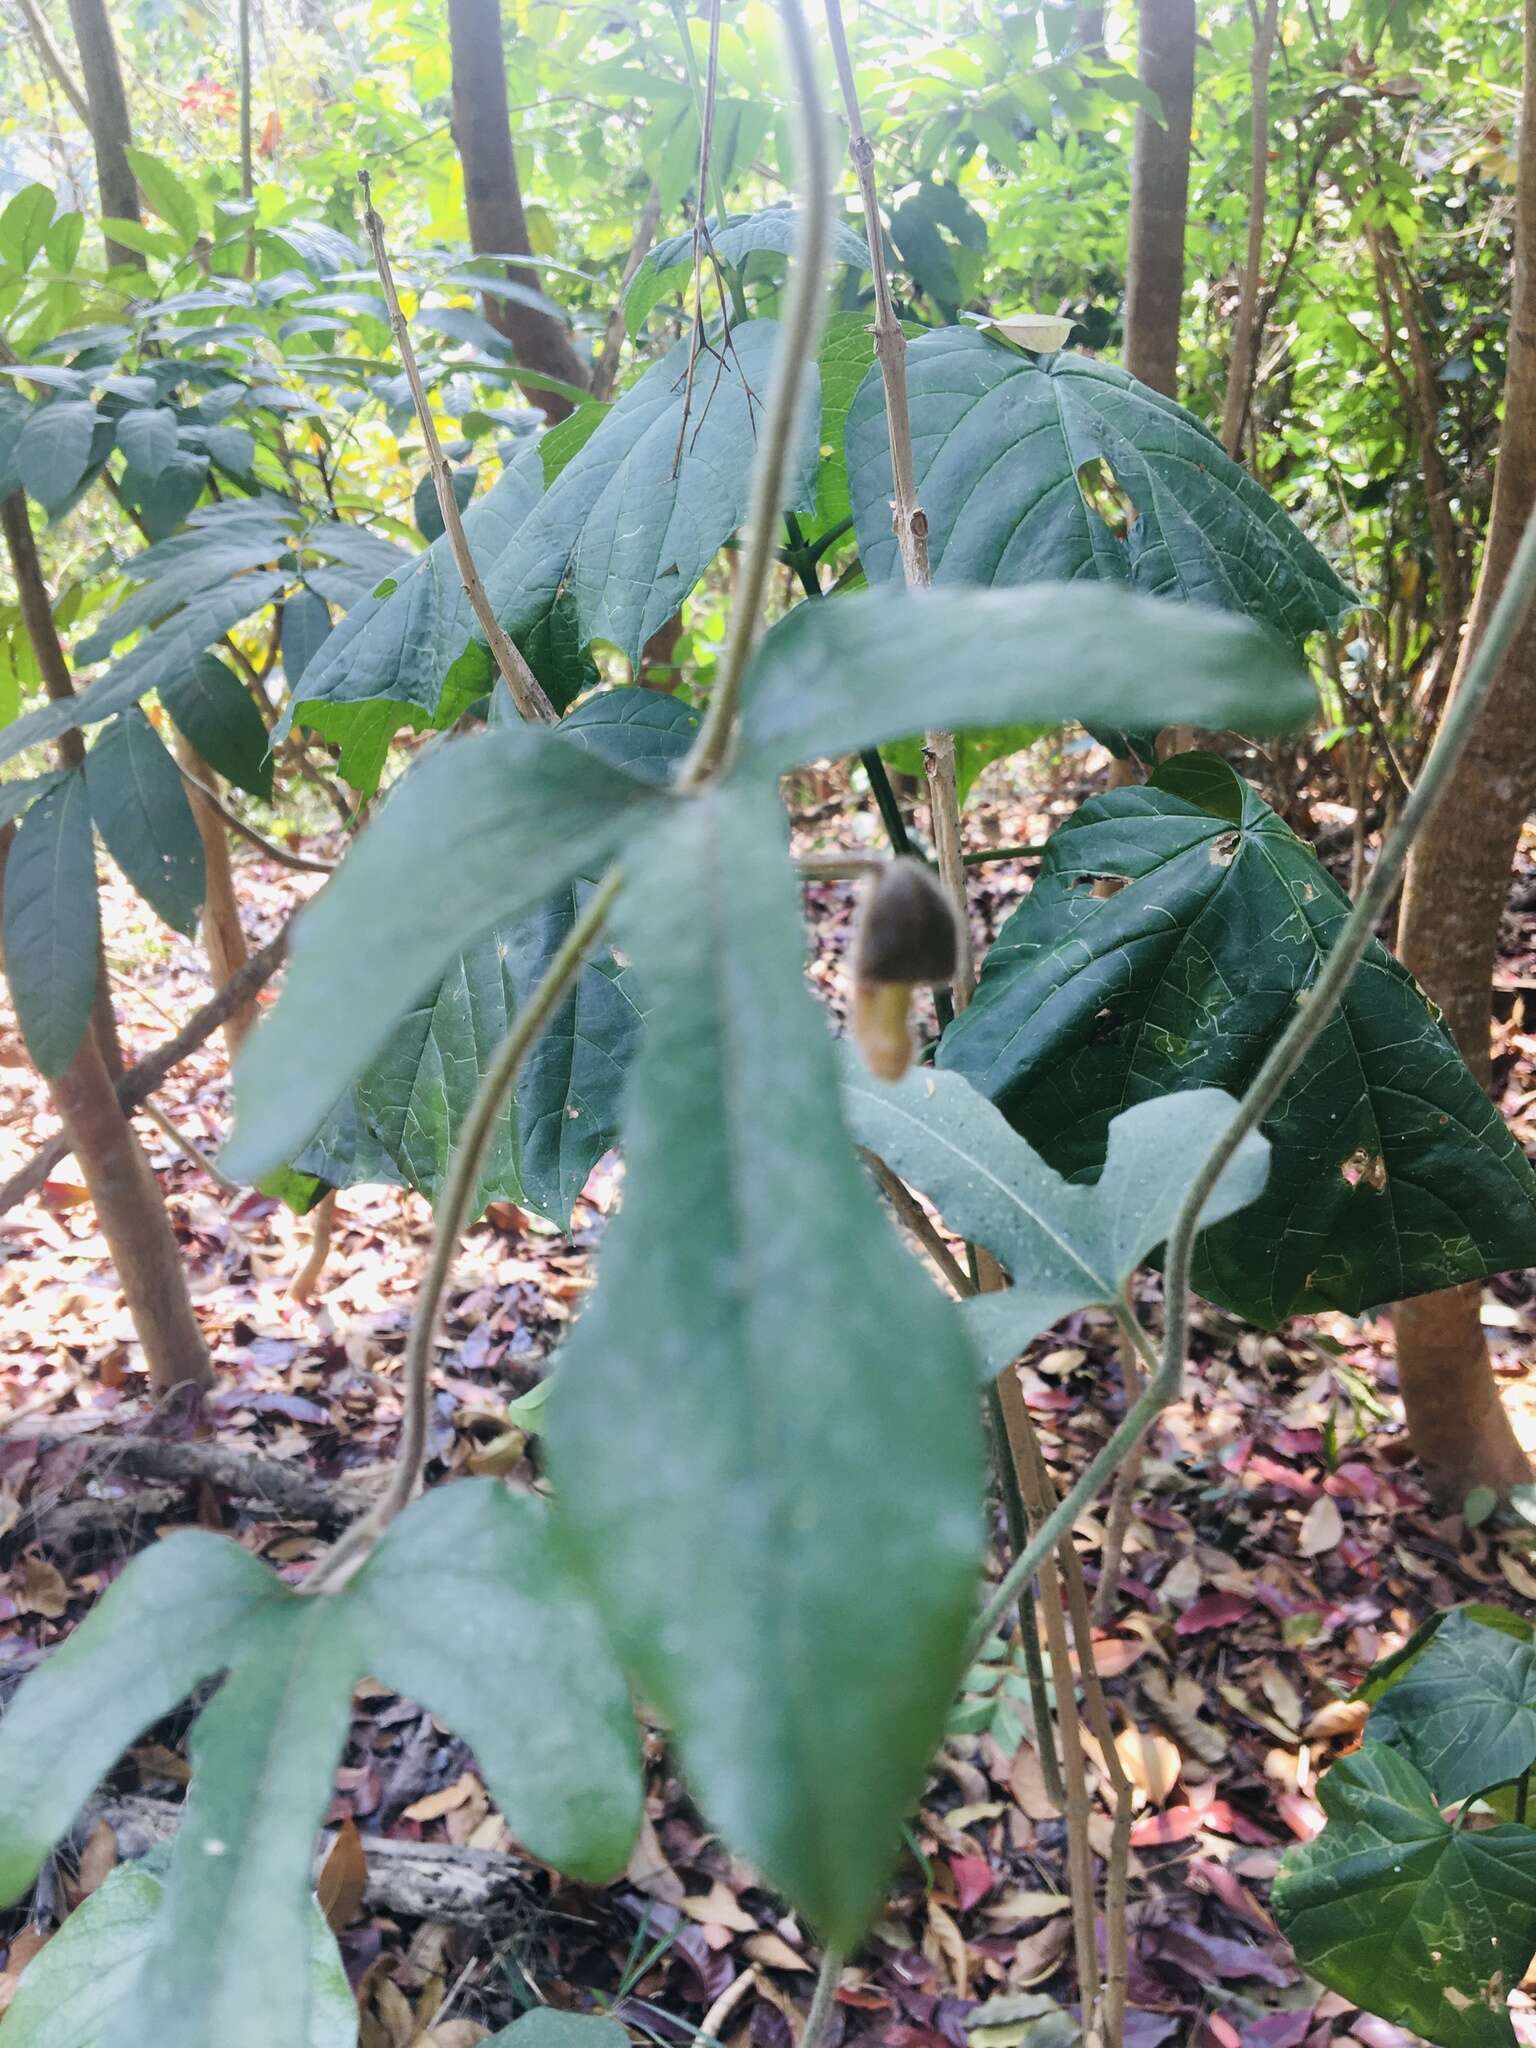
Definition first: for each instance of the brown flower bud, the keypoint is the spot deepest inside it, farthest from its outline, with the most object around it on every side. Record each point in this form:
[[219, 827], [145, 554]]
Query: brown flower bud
[[905, 939]]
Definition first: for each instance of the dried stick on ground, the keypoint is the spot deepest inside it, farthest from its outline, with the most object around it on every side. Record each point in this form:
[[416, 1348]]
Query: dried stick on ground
[[527, 691], [910, 521], [141, 1080]]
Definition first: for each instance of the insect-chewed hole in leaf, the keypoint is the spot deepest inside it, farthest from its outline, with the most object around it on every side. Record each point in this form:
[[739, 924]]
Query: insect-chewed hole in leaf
[[905, 939], [1365, 1166], [1102, 492], [1224, 849]]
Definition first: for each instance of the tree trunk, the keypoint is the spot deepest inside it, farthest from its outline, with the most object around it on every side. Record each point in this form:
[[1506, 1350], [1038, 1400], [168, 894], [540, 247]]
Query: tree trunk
[[111, 131], [124, 1190], [1454, 896], [223, 935], [1246, 326], [482, 133], [1154, 286]]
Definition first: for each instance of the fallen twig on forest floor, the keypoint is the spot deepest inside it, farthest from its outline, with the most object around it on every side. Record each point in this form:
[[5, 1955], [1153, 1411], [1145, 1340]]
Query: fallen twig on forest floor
[[288, 1491], [148, 1074], [422, 1880]]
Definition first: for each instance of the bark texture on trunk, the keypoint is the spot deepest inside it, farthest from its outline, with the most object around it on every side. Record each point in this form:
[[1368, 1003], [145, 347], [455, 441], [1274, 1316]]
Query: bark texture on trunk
[[111, 131], [123, 1188], [133, 1221], [1246, 326], [482, 133], [223, 935], [1454, 895], [1154, 287]]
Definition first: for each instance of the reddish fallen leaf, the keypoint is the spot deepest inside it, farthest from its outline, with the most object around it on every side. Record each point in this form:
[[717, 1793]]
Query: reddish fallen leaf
[[1278, 2030], [1271, 1472], [973, 1880], [1216, 1610], [1303, 1816], [1173, 1824]]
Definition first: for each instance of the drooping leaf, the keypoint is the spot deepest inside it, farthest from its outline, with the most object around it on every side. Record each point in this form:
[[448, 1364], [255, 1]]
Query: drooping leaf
[[73, 1988], [1391, 1172], [1000, 439], [424, 506], [467, 1608], [564, 1112], [464, 1602], [780, 1530], [24, 222], [167, 651], [164, 1626], [1066, 1247], [228, 1958], [346, 1151], [622, 535], [1464, 1710], [139, 806], [384, 665], [1428, 1926], [148, 438], [211, 707], [54, 451], [306, 628], [843, 360], [51, 924], [191, 565], [164, 502], [834, 677], [165, 193], [486, 828], [773, 229]]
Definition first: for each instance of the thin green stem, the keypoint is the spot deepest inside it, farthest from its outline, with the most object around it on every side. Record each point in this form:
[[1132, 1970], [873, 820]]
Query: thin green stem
[[1314, 1008], [1029, 1632], [822, 1999], [453, 1214], [804, 310], [988, 853]]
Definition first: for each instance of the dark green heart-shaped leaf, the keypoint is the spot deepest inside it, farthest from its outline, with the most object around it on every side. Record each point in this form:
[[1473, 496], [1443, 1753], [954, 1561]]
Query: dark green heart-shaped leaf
[[1464, 1710], [1000, 439], [1065, 1247], [51, 923], [834, 677], [764, 1432], [487, 827], [1425, 1925], [139, 806], [1390, 1173]]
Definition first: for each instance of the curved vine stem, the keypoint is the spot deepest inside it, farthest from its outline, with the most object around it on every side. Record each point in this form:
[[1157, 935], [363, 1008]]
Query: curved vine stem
[[801, 326], [453, 1214], [1314, 1007]]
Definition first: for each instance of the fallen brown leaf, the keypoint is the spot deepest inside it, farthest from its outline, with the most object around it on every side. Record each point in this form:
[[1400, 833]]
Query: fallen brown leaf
[[1151, 1761], [343, 1877], [719, 1907]]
